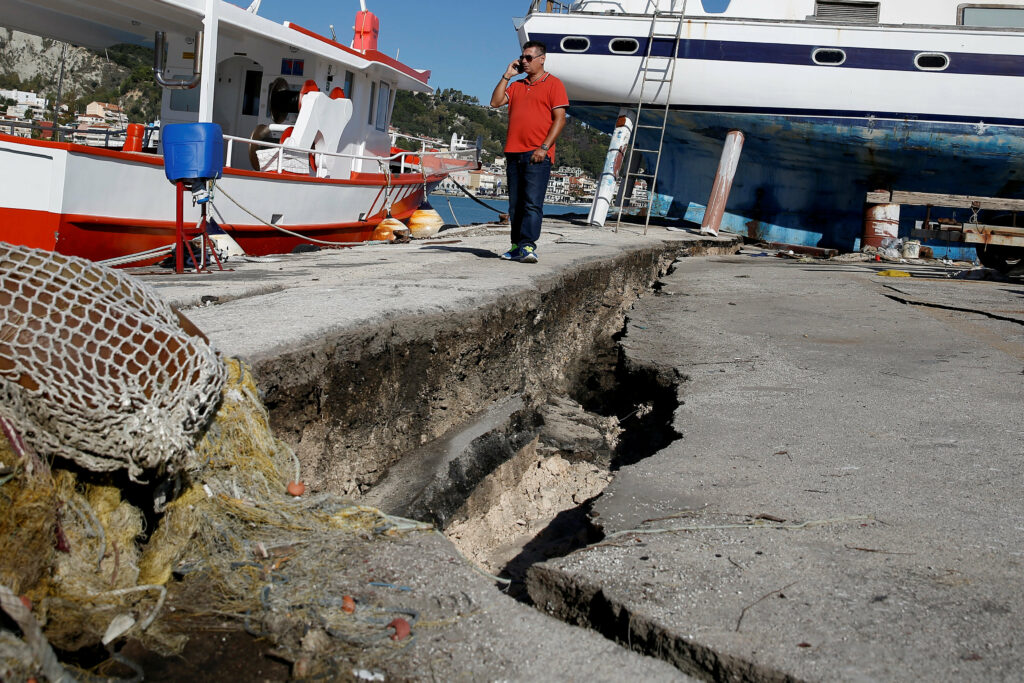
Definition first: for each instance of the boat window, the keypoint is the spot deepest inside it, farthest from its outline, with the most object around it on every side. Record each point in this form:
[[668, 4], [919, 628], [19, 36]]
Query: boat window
[[624, 46], [846, 11], [828, 56], [349, 78], [185, 100], [575, 44], [373, 101], [931, 61], [383, 101], [293, 67], [992, 17], [251, 93]]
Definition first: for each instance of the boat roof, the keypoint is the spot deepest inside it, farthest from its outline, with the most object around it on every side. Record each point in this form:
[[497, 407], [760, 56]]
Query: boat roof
[[102, 23]]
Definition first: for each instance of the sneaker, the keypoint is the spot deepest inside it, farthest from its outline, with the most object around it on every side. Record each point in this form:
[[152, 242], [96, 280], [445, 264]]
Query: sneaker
[[527, 255], [511, 253]]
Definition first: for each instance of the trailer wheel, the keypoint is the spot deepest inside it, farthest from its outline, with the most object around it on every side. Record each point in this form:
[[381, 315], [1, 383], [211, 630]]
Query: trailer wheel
[[1001, 258]]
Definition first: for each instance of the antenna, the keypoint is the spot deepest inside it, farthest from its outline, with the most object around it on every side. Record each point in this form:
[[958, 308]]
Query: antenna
[[333, 37]]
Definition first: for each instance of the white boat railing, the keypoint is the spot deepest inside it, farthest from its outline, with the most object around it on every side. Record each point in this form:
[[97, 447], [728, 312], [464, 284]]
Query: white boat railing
[[318, 155], [107, 138], [600, 7]]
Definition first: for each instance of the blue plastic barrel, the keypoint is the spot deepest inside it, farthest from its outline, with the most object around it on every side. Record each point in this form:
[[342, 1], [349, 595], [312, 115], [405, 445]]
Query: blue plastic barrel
[[193, 151]]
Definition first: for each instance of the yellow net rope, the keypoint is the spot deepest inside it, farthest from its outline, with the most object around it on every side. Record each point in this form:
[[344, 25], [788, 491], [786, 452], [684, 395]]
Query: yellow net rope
[[232, 544]]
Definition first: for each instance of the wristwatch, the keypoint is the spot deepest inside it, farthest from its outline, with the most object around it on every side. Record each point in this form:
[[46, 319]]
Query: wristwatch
[[544, 147]]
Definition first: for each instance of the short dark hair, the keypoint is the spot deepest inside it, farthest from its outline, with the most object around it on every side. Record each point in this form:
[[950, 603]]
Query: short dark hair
[[537, 44]]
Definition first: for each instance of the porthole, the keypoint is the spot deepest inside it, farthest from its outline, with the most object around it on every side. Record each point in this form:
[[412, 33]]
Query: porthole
[[575, 44], [931, 61], [624, 46], [828, 56]]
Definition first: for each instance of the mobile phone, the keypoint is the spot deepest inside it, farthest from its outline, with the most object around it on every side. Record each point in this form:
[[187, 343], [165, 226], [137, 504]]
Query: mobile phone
[[518, 66]]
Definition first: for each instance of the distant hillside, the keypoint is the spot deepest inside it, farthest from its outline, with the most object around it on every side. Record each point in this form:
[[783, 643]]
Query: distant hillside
[[121, 75], [449, 111]]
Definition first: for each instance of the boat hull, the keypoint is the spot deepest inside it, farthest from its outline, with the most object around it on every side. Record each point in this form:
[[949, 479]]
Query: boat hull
[[818, 137], [803, 180], [101, 204]]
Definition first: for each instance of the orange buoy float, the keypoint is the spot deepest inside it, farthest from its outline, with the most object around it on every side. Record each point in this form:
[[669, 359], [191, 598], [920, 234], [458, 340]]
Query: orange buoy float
[[296, 488], [402, 628], [348, 604], [425, 222], [388, 229]]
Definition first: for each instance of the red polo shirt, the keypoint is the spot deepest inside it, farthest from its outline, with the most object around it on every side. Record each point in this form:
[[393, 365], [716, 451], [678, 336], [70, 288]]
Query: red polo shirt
[[531, 110]]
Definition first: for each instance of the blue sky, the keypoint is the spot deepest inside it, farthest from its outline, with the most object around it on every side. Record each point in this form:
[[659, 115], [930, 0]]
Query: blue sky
[[465, 43]]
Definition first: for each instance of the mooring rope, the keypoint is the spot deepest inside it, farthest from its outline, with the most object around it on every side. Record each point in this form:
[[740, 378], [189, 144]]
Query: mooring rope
[[474, 197], [285, 231]]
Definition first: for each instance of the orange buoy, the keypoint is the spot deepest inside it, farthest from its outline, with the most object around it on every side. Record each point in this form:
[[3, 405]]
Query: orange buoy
[[387, 229], [348, 604], [425, 222], [296, 488], [402, 628]]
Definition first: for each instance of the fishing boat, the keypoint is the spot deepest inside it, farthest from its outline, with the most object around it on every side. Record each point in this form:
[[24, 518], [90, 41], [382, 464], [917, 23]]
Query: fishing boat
[[308, 156], [835, 99]]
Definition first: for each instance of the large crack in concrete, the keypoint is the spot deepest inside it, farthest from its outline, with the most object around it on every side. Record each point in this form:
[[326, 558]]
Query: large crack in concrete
[[437, 418], [353, 405]]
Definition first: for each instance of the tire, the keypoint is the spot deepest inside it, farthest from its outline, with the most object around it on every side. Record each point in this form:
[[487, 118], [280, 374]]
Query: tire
[[1001, 258]]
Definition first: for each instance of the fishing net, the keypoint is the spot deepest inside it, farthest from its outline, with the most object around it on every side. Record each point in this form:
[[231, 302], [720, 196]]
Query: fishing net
[[232, 544], [95, 367]]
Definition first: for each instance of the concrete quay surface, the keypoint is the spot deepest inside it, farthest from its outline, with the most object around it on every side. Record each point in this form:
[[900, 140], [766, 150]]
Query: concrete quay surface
[[277, 307], [844, 503], [279, 302]]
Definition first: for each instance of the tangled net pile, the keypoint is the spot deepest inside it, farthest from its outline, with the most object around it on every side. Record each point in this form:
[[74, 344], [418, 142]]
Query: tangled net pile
[[233, 544]]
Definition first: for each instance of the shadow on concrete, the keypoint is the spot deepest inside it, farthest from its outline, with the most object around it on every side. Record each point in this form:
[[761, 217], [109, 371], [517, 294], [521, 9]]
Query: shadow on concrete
[[480, 253]]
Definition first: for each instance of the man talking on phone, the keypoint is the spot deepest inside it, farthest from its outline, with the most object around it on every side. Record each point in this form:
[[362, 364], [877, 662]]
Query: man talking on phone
[[536, 117]]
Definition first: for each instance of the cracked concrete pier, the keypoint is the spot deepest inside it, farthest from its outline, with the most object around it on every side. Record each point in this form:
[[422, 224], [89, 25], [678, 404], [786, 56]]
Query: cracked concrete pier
[[843, 503], [427, 362]]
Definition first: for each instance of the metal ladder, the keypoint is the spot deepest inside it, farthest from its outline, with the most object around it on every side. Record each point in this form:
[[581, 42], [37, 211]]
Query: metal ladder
[[653, 73]]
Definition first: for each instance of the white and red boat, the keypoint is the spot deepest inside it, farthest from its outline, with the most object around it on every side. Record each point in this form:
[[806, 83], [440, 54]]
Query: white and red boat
[[308, 154]]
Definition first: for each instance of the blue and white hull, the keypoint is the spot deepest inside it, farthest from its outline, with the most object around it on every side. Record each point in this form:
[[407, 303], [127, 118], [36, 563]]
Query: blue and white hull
[[819, 136]]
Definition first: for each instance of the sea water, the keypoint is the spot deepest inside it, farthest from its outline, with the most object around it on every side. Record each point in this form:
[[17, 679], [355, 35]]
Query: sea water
[[466, 211]]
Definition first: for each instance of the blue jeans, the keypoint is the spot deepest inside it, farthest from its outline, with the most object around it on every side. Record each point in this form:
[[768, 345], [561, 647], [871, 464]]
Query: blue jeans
[[527, 185]]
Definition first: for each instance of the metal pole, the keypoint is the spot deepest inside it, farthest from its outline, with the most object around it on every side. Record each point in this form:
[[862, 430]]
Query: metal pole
[[179, 247], [605, 194], [60, 87], [723, 183], [208, 82]]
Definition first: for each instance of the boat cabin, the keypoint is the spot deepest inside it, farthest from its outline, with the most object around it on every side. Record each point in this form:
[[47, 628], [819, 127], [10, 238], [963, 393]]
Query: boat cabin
[[263, 71]]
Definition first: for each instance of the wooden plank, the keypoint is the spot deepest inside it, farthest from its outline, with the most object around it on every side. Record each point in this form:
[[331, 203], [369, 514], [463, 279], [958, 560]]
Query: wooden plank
[[878, 197], [994, 229], [958, 201], [994, 234]]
